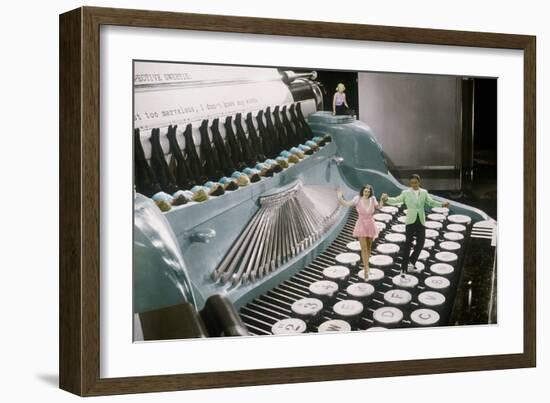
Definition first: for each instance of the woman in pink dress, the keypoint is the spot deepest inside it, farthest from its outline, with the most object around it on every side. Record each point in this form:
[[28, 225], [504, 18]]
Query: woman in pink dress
[[365, 226]]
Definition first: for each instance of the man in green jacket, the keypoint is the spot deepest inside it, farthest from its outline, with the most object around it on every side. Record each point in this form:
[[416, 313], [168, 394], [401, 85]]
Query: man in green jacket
[[415, 198]]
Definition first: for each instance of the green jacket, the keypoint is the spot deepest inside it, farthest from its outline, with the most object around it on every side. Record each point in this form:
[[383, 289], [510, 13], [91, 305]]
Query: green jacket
[[414, 206]]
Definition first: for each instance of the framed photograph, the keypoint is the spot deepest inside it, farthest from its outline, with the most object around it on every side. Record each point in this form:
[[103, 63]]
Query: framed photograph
[[249, 201]]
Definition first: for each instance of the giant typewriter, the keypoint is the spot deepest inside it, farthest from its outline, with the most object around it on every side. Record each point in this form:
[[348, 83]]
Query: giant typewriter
[[237, 226]]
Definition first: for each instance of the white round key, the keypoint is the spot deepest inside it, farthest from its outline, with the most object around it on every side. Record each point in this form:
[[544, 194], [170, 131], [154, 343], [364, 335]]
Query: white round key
[[424, 254], [382, 217], [307, 306], [402, 219], [354, 246], [323, 288], [431, 233], [388, 315], [440, 210], [453, 236], [437, 282], [389, 209], [348, 258], [425, 317], [348, 308], [405, 281], [388, 248], [433, 224], [436, 217], [374, 274], [336, 273], [334, 325], [380, 225], [360, 290], [395, 238], [381, 260], [449, 245], [289, 326], [456, 227], [397, 297], [431, 298], [398, 228], [375, 329], [418, 268], [446, 257], [428, 243], [442, 269], [459, 219]]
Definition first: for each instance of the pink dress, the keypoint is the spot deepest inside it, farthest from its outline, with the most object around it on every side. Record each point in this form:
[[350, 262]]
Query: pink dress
[[365, 226]]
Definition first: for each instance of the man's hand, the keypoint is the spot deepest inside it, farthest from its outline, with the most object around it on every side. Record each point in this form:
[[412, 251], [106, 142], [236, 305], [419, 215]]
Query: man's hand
[[445, 204]]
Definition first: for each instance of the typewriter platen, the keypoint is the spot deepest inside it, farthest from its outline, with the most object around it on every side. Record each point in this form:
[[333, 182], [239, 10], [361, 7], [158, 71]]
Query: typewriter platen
[[237, 227]]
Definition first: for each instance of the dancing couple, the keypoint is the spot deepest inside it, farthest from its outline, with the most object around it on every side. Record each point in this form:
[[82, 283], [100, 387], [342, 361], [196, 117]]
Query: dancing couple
[[415, 199]]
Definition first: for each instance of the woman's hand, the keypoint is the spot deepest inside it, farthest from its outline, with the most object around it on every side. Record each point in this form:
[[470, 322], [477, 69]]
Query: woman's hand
[[445, 204]]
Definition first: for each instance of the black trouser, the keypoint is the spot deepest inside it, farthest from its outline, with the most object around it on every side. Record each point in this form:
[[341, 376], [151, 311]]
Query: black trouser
[[414, 230]]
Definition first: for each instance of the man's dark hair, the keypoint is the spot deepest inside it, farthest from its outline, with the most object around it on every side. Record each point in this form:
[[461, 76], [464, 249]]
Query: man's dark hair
[[415, 176]]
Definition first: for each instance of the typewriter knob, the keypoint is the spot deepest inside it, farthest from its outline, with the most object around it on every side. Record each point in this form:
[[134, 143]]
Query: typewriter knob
[[203, 235]]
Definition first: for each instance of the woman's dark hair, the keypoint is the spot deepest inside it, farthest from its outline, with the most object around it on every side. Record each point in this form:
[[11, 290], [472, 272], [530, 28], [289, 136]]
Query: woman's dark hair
[[415, 176], [369, 187]]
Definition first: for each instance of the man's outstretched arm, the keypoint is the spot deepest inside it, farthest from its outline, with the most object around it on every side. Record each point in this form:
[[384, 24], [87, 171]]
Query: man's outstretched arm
[[434, 203], [393, 200]]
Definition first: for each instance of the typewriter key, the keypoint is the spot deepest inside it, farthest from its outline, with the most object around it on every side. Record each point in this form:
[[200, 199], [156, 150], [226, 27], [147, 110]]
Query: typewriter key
[[382, 261], [376, 329], [433, 225], [425, 317], [431, 233], [456, 227], [446, 257], [418, 268], [398, 297], [307, 309], [442, 269], [382, 217], [436, 217], [400, 228], [289, 326], [449, 245], [389, 209], [375, 275], [424, 254], [348, 258], [428, 243], [360, 291], [388, 248], [339, 274], [354, 246], [453, 236], [349, 310], [441, 210], [406, 281], [431, 299], [438, 283], [387, 316], [334, 325], [323, 290], [395, 238], [459, 219]]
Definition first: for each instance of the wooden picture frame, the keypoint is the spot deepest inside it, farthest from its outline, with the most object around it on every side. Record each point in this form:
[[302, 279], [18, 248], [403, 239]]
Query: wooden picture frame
[[80, 198]]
